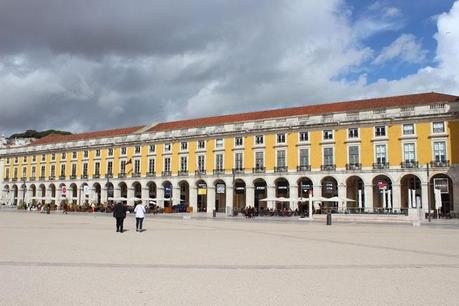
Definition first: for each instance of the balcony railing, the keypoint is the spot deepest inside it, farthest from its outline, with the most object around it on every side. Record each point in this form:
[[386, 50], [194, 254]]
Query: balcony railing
[[122, 174], [354, 166], [51, 177], [42, 178], [136, 174], [238, 171], [219, 171], [24, 178], [84, 177], [303, 168], [183, 173], [280, 169], [73, 177], [200, 172], [151, 174], [381, 166], [62, 177], [331, 167], [439, 164], [166, 173], [6, 179], [109, 175], [259, 170], [409, 164], [96, 176], [14, 179]]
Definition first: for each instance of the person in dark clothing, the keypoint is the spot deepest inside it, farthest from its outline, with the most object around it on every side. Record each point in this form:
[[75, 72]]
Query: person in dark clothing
[[119, 213]]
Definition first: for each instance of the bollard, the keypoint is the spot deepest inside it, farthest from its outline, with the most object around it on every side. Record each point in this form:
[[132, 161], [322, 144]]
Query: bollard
[[329, 218], [214, 213]]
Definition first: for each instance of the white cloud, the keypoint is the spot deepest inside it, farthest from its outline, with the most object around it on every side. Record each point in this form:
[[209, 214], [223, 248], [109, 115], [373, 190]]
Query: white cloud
[[405, 48]]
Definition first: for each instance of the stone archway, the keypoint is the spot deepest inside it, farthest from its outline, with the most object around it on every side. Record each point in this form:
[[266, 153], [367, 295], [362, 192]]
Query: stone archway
[[202, 195], [444, 184], [282, 187], [184, 193], [220, 196], [260, 192], [167, 187], [382, 192], [239, 195], [355, 190], [97, 192], [410, 188]]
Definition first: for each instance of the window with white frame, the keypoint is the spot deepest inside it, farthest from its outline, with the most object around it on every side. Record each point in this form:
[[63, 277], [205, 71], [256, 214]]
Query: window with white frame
[[303, 136], [24, 171], [328, 134], [239, 160], [98, 153], [123, 150], [152, 148], [74, 168], [328, 156], [16, 160], [24, 159], [43, 171], [151, 165], [15, 172], [259, 160], [304, 157], [201, 144], [183, 163], [63, 155], [85, 169], [409, 154], [110, 167], [354, 155], [137, 150], [353, 133], [219, 162], [7, 172], [280, 160], [259, 139], [380, 131], [167, 147], [219, 143], [238, 141], [62, 170], [438, 127], [123, 167], [97, 168], [440, 151], [381, 154], [43, 157], [167, 164], [34, 159], [53, 170], [110, 152], [280, 138], [408, 129], [33, 171], [74, 154], [201, 163], [53, 156], [85, 154], [184, 146], [137, 166]]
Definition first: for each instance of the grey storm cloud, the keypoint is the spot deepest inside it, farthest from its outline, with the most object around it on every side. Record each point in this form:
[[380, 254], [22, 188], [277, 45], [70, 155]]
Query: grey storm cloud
[[86, 65]]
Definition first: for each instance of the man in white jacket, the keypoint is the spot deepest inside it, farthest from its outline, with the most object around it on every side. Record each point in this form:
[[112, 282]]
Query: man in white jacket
[[139, 215]]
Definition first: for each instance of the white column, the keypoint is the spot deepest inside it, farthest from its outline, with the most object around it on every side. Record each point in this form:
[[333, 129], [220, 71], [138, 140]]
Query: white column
[[342, 193], [425, 197], [271, 193], [455, 191], [116, 192], [389, 199], [250, 196], [359, 199], [103, 195], [396, 197], [194, 198], [145, 195], [368, 204], [210, 199], [130, 195], [229, 199]]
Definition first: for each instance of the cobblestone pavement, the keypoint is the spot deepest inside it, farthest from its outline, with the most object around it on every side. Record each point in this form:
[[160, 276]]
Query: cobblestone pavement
[[79, 259]]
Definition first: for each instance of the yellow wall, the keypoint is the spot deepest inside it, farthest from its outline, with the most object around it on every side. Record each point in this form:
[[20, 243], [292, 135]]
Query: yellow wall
[[395, 147], [340, 148], [292, 150], [423, 144], [270, 152], [316, 149], [453, 146]]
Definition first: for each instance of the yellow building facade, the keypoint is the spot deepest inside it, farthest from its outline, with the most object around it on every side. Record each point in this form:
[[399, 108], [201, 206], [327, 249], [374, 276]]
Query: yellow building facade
[[389, 154]]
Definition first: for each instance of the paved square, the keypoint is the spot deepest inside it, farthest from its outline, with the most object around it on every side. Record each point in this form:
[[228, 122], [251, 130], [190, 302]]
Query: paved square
[[79, 259]]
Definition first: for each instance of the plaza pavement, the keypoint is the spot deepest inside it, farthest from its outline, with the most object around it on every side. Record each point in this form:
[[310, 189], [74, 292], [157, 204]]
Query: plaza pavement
[[79, 259]]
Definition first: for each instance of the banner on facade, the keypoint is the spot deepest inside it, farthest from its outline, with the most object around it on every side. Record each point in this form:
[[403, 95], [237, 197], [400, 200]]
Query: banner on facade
[[220, 188], [382, 185], [64, 191], [86, 189], [442, 184]]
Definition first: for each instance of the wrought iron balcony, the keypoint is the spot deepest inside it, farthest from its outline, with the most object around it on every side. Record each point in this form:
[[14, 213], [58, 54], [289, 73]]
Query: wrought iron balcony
[[280, 169], [151, 174], [14, 179], [238, 171], [84, 177], [62, 177], [51, 177], [409, 164], [330, 167], [73, 177], [200, 172], [42, 178], [122, 174], [303, 168], [219, 171], [109, 175], [136, 174], [6, 179], [32, 178], [24, 178], [380, 165], [183, 173], [354, 166], [96, 176], [259, 170], [166, 173], [439, 164]]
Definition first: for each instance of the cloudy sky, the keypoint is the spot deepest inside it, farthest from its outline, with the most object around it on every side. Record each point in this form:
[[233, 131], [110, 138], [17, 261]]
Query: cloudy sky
[[88, 65]]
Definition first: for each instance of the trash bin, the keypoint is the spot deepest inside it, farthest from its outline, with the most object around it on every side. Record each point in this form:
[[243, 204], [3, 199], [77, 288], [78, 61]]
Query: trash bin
[[329, 218], [214, 213]]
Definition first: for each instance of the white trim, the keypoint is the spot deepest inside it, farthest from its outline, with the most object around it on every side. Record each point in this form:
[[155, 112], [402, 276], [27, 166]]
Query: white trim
[[234, 159], [348, 156], [286, 157], [215, 160], [403, 143], [433, 149], [255, 157], [323, 154], [197, 161], [380, 143], [307, 147]]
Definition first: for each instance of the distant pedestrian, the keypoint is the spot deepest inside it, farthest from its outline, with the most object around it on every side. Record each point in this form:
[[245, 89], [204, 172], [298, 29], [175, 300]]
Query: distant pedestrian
[[119, 212], [139, 215]]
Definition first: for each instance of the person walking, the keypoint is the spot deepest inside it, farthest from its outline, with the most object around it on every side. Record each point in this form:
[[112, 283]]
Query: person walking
[[119, 213], [139, 215]]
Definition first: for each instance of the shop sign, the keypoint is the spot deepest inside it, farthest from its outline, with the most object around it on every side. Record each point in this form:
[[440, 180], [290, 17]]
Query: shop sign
[[329, 187], [86, 189], [220, 188], [202, 191], [240, 189], [282, 187], [64, 191], [382, 185], [442, 184], [260, 187]]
